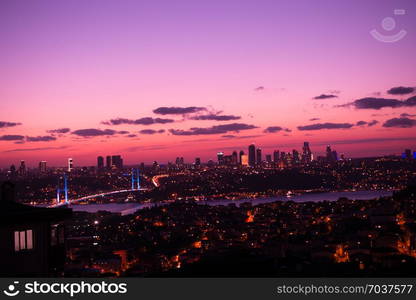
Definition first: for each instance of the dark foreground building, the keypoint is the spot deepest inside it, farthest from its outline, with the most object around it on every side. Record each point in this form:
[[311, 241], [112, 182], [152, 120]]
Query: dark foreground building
[[32, 238]]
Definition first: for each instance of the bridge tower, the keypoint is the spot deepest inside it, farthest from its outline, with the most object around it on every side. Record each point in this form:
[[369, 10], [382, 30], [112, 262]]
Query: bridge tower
[[58, 192], [135, 179], [138, 179], [66, 188]]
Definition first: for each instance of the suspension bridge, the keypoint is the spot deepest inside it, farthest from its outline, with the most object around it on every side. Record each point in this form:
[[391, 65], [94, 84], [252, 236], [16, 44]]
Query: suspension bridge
[[135, 186]]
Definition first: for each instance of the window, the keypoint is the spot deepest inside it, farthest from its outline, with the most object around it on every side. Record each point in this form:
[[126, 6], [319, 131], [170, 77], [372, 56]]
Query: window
[[23, 240]]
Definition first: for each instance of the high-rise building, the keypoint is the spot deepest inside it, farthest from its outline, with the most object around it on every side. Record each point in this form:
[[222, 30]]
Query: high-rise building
[[42, 166], [269, 158], [240, 155], [295, 156], [252, 155], [276, 156], [329, 154], [259, 157], [70, 164], [22, 168], [307, 153], [12, 169], [197, 161], [117, 162], [234, 158], [334, 155], [108, 163], [100, 162], [220, 157]]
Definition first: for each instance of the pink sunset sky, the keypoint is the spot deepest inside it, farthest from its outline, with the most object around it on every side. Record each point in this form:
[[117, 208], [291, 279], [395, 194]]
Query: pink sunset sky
[[223, 74]]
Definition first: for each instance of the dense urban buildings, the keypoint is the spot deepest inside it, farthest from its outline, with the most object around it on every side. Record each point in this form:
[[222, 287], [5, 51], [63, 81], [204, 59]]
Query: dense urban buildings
[[201, 218]]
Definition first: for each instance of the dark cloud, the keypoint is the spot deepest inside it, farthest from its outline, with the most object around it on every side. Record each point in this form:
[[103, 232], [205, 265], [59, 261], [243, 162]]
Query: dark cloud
[[11, 137], [132, 135], [405, 115], [400, 90], [273, 129], [151, 131], [4, 124], [410, 102], [259, 88], [91, 132], [400, 122], [215, 117], [314, 119], [123, 132], [141, 121], [372, 123], [325, 96], [369, 124], [378, 103], [218, 129], [59, 130], [320, 126], [173, 110], [45, 138]]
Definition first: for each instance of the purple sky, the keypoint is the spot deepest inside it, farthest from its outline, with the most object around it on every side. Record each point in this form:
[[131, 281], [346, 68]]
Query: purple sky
[[76, 64]]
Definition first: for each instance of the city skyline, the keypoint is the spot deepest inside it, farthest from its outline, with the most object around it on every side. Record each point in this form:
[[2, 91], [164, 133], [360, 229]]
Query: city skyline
[[151, 82], [242, 157]]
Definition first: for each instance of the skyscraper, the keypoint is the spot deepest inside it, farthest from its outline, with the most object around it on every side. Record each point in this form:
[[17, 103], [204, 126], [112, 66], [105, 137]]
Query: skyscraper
[[259, 157], [117, 162], [100, 162], [295, 155], [329, 157], [252, 155], [220, 157], [276, 156], [269, 158], [70, 164], [234, 158], [240, 161], [22, 168], [197, 161], [307, 153], [108, 162], [42, 166]]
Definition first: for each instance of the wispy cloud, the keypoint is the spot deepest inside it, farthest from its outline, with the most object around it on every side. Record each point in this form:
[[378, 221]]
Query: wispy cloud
[[141, 121], [320, 126], [45, 138], [218, 129], [37, 149], [379, 103], [4, 124], [325, 96], [59, 130], [274, 129], [11, 137]]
